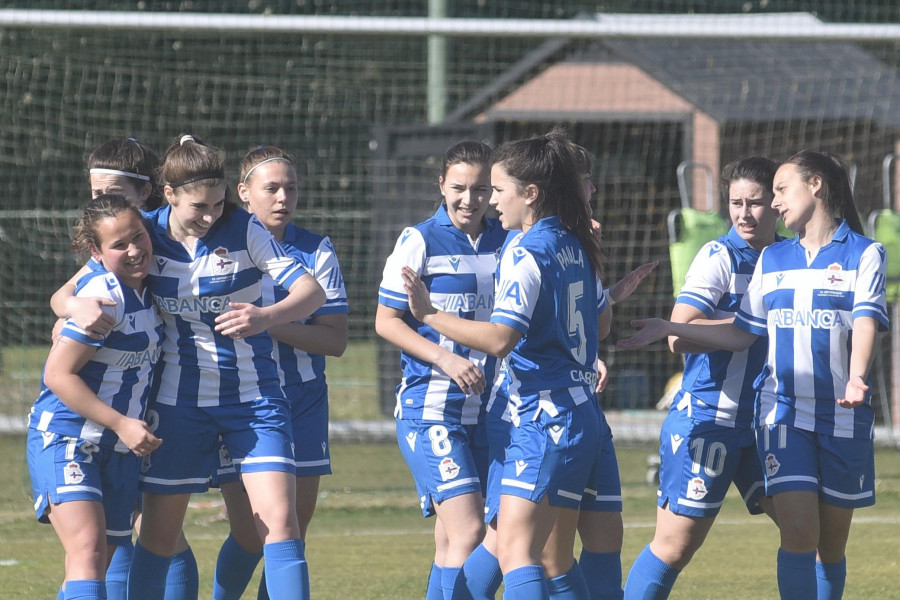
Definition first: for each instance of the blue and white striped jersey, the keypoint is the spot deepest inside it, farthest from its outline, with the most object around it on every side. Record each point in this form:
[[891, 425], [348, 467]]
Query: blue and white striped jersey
[[720, 384], [807, 308], [118, 373], [459, 275], [548, 291], [317, 255], [192, 286]]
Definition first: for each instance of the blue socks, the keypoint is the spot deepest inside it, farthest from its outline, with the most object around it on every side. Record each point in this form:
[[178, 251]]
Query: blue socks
[[287, 574], [434, 590], [182, 579], [830, 578], [605, 580], [650, 578], [452, 578], [147, 578], [568, 586], [234, 568], [482, 574], [526, 583], [85, 589], [117, 573], [796, 575]]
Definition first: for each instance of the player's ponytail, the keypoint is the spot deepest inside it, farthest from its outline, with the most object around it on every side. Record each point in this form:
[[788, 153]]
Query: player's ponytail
[[835, 193], [548, 163]]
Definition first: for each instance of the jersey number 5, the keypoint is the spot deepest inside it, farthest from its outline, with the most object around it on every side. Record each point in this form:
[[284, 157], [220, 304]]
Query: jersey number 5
[[576, 321]]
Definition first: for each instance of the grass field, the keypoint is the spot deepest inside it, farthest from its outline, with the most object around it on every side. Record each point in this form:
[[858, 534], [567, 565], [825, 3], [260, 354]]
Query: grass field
[[369, 541]]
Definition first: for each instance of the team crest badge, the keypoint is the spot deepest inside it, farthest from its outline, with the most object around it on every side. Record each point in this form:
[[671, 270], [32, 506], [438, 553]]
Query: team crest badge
[[72, 473], [772, 465], [222, 264], [224, 457], [696, 489], [834, 277], [448, 468]]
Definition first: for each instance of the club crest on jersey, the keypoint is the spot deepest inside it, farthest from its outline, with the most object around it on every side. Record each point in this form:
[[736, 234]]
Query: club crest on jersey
[[72, 473], [834, 277], [222, 264], [448, 468], [696, 489], [772, 465]]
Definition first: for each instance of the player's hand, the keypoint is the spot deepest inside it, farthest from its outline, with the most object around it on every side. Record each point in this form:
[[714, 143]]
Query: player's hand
[[855, 394], [243, 320], [88, 314], [419, 300], [649, 331], [467, 376], [602, 376], [136, 434], [626, 286]]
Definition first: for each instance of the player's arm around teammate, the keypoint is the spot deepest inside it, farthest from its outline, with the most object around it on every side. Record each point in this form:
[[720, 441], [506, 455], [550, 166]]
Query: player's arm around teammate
[[86, 429], [128, 167], [544, 321], [439, 400], [217, 374], [814, 428]]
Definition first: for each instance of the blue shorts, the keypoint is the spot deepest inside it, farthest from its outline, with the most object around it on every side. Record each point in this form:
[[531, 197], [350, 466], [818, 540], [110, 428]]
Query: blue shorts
[[699, 460], [604, 492], [498, 433], [68, 469], [256, 435], [840, 470], [553, 456], [309, 418], [440, 458]]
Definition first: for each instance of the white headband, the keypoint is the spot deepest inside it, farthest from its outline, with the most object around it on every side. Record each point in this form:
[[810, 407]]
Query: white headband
[[185, 138], [123, 173], [262, 162]]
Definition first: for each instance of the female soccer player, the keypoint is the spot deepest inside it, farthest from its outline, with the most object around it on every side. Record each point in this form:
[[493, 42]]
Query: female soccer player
[[86, 430], [545, 323], [819, 299], [268, 187], [440, 399], [128, 167], [707, 441]]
